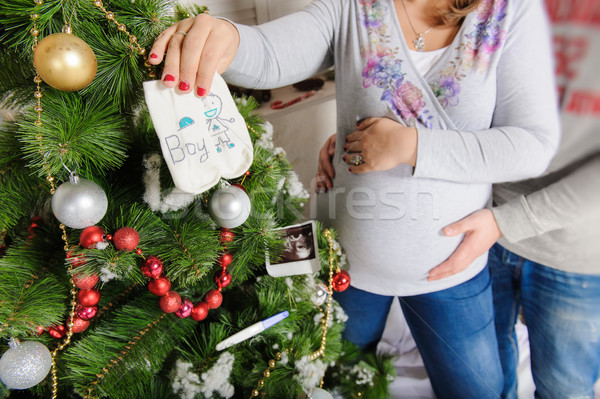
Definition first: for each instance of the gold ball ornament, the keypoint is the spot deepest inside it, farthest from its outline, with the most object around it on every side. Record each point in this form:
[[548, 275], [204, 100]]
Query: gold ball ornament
[[65, 62]]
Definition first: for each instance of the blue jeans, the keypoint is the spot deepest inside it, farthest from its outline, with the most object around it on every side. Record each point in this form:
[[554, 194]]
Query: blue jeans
[[453, 329], [562, 313]]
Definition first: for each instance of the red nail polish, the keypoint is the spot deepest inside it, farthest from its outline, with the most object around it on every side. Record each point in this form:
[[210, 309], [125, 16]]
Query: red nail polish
[[153, 55], [169, 78], [344, 157], [184, 86], [201, 92]]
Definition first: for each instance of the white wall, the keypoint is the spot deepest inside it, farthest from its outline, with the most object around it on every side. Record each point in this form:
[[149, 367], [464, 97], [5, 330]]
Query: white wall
[[250, 12]]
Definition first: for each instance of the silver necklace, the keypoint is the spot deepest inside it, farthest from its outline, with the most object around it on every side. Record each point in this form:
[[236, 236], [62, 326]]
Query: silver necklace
[[419, 42]]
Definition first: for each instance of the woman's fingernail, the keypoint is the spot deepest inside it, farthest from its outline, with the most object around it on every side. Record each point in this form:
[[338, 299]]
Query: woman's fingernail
[[153, 55], [183, 86], [201, 92], [169, 78], [345, 148], [344, 158]]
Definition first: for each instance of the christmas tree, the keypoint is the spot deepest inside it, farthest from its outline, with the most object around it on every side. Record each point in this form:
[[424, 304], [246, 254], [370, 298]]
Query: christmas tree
[[112, 282]]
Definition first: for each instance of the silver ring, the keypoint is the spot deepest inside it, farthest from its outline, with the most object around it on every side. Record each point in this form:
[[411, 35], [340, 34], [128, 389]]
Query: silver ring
[[356, 159], [180, 31]]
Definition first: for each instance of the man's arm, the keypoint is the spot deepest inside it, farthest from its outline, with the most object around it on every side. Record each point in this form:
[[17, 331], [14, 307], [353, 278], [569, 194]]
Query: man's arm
[[572, 199]]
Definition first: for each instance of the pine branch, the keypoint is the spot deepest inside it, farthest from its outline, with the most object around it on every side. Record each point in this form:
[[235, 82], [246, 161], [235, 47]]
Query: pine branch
[[189, 247], [84, 136], [140, 334], [29, 295]]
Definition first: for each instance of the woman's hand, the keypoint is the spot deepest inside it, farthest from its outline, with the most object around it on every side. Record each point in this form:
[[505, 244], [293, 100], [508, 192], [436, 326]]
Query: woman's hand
[[325, 172], [195, 48], [380, 144]]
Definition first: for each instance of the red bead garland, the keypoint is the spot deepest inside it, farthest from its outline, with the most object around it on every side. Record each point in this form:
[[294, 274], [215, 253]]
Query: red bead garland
[[185, 309], [85, 282], [170, 301], [57, 331], [200, 311], [225, 260], [126, 239], [160, 286], [213, 299], [89, 297], [152, 267], [222, 279], [90, 236], [86, 312], [79, 325]]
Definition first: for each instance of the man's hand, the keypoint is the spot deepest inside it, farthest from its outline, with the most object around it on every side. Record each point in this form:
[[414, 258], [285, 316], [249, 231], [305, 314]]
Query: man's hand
[[481, 232]]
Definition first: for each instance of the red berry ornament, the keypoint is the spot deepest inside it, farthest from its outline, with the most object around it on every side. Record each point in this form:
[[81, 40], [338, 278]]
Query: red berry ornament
[[185, 309], [341, 281], [57, 331], [227, 235], [238, 185], [75, 259], [152, 267], [200, 311], [160, 286], [225, 260], [79, 325], [86, 312], [126, 239], [88, 297], [84, 282], [90, 236], [170, 302], [213, 299], [222, 279]]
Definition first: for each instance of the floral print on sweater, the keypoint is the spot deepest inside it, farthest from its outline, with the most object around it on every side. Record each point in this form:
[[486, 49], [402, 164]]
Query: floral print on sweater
[[476, 49], [383, 66]]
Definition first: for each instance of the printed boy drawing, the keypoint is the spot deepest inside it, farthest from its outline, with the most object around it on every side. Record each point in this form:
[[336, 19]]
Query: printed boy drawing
[[216, 124]]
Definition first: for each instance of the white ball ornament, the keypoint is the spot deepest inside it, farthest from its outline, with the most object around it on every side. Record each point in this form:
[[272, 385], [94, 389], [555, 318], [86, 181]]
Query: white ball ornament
[[79, 203], [318, 393], [229, 206], [25, 364]]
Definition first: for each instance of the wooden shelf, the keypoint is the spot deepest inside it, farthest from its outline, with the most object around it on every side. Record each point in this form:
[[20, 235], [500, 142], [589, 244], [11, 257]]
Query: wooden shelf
[[288, 93]]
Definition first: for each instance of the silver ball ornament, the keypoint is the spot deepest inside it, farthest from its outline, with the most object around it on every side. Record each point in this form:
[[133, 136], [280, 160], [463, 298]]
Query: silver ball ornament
[[79, 203], [229, 206], [25, 364], [320, 295]]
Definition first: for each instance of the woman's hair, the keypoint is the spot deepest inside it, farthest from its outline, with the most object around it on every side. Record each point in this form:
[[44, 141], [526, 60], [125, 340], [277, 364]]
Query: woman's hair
[[456, 11]]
